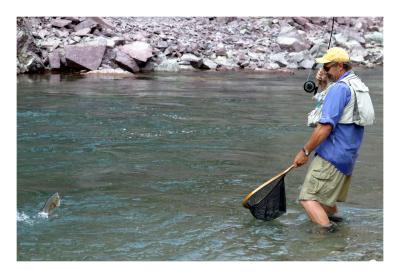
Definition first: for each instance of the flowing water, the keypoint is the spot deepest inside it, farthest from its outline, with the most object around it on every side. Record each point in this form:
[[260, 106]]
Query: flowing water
[[155, 168]]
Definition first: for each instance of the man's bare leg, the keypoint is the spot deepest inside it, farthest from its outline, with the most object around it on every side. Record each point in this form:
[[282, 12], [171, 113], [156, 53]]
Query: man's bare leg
[[316, 212], [329, 210]]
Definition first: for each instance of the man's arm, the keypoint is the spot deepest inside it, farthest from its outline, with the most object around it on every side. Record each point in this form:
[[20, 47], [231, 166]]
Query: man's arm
[[320, 133]]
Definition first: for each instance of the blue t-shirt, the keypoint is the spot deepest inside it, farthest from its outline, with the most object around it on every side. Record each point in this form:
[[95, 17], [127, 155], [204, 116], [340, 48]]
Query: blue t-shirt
[[342, 145]]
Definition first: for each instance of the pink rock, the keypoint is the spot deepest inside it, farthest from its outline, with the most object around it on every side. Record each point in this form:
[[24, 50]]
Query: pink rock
[[85, 56], [138, 50]]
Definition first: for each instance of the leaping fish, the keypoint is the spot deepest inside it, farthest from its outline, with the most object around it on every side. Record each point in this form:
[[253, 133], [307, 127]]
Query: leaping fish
[[51, 203]]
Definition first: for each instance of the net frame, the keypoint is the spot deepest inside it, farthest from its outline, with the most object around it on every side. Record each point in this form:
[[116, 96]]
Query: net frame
[[261, 188]]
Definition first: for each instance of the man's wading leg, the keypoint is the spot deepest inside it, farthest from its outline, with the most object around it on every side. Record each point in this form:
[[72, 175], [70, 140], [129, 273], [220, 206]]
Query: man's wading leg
[[330, 210], [316, 212]]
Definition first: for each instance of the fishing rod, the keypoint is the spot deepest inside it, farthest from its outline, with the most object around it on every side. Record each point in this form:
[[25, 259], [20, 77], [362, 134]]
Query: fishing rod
[[310, 86]]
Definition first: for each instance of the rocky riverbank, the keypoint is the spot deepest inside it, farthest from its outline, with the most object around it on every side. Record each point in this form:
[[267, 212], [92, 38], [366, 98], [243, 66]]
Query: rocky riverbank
[[142, 44]]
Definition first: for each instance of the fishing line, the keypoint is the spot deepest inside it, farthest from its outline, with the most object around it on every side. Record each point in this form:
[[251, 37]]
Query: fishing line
[[310, 86]]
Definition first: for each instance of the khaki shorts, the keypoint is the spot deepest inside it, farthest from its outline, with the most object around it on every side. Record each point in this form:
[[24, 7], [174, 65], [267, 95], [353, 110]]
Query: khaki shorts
[[324, 183]]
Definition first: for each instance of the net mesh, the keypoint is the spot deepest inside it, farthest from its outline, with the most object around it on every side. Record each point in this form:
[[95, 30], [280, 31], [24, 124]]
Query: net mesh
[[270, 201]]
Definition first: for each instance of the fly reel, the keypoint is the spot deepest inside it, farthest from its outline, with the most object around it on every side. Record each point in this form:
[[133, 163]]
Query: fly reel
[[310, 87]]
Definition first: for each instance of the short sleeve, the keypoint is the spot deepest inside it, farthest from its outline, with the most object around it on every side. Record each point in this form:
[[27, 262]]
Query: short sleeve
[[335, 101]]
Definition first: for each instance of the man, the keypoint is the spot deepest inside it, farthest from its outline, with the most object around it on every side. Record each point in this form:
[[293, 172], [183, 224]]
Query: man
[[335, 140]]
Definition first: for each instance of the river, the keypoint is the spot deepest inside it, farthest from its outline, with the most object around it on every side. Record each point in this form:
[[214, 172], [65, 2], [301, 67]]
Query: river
[[154, 168]]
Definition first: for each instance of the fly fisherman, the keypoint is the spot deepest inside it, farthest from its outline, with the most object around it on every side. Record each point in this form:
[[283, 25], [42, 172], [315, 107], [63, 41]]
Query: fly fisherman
[[336, 138]]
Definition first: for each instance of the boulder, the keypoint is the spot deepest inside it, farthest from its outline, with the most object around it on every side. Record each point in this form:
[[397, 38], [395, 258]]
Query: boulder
[[60, 23], [109, 73], [50, 43], [374, 37], [83, 32], [301, 21], [29, 62], [88, 23], [340, 39], [41, 33], [28, 53], [295, 57], [224, 63], [162, 45], [291, 43], [271, 66], [126, 62], [54, 60], [138, 50], [61, 33], [279, 58], [86, 56], [209, 64], [190, 58], [104, 23], [292, 39], [168, 65], [308, 61], [193, 60], [220, 50]]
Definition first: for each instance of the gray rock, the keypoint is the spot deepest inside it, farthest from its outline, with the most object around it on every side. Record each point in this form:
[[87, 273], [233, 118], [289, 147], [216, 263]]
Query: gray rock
[[209, 64], [88, 23], [61, 33], [246, 42], [375, 37], [162, 45], [54, 60], [279, 58], [318, 49], [28, 53], [126, 62], [102, 22], [138, 50], [75, 39], [50, 43], [193, 60], [185, 68], [109, 73], [301, 21], [29, 62], [292, 39], [118, 41], [306, 63], [42, 33], [295, 57], [60, 23], [85, 56], [190, 58], [83, 32], [170, 65], [341, 39], [271, 66], [292, 43], [73, 19], [220, 50], [148, 67]]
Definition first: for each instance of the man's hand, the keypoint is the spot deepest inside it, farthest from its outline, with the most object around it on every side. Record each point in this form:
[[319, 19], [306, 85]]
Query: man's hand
[[322, 79], [300, 159]]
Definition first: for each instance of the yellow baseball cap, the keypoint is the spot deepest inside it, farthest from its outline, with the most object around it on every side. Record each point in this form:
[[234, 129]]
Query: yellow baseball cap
[[334, 54]]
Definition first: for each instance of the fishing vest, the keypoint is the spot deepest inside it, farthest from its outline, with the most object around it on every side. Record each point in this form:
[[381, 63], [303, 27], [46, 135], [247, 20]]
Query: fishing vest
[[359, 110]]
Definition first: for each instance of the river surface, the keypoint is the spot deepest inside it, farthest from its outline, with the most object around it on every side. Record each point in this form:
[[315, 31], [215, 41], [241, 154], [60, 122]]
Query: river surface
[[154, 168]]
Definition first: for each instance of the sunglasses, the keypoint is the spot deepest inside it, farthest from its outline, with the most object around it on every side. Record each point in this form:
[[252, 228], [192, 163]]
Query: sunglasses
[[327, 68]]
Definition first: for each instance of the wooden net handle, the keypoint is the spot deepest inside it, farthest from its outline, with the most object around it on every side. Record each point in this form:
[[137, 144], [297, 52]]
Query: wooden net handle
[[244, 202]]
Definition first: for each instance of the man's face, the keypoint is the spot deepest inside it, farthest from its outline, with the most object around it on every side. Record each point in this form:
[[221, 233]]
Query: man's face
[[333, 70]]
